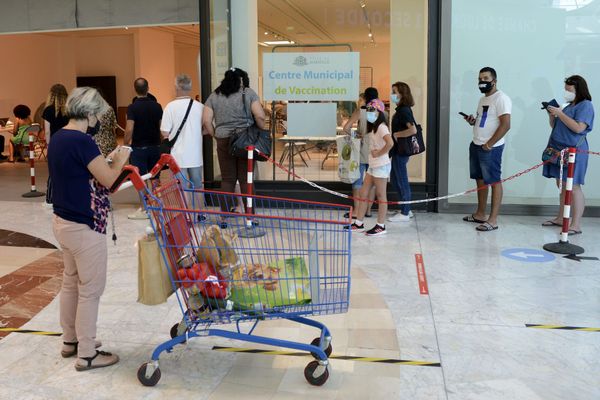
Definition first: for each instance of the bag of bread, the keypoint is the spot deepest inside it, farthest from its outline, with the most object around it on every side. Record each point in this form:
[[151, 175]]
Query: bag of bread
[[216, 249]]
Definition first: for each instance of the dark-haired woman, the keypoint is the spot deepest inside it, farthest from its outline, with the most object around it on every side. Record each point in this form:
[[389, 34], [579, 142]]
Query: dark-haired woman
[[227, 109], [403, 125], [570, 127], [379, 168], [20, 137]]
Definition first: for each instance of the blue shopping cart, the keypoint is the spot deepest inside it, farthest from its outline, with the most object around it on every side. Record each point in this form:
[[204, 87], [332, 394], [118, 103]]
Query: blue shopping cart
[[298, 265]]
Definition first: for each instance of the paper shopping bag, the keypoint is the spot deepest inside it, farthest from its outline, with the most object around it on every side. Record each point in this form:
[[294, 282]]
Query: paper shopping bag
[[154, 283]]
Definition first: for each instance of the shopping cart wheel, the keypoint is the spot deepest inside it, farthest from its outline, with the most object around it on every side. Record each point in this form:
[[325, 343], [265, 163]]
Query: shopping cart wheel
[[317, 342], [175, 331], [310, 370], [153, 380]]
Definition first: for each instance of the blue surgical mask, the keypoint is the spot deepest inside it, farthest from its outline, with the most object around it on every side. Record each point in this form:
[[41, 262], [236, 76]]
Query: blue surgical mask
[[371, 116], [394, 98]]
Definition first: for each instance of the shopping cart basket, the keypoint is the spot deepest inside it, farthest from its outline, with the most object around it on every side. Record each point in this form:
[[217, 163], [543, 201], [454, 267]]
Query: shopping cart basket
[[298, 266]]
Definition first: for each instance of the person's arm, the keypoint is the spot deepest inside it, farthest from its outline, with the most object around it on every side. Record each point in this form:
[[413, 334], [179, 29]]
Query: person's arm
[[259, 114], [410, 130], [107, 173], [385, 149], [551, 119], [47, 131], [351, 121], [572, 124], [502, 130], [207, 121], [128, 132]]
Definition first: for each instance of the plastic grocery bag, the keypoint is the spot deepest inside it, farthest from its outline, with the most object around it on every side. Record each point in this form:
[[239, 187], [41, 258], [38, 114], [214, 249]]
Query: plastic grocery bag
[[349, 158], [258, 286], [154, 283]]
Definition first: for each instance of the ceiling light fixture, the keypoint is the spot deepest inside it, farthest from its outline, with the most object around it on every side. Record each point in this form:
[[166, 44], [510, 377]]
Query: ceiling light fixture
[[277, 42]]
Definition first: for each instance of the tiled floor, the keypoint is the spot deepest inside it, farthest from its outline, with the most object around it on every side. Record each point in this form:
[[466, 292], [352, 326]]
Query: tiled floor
[[472, 322]]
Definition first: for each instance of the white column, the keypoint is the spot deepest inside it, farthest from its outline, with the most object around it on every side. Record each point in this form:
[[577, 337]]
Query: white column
[[244, 38]]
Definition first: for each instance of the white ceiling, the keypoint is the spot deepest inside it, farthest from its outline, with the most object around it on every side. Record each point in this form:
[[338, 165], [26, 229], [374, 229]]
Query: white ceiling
[[323, 21]]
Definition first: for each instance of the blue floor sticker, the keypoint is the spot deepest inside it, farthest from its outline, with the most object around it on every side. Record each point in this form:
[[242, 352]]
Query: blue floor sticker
[[528, 255]]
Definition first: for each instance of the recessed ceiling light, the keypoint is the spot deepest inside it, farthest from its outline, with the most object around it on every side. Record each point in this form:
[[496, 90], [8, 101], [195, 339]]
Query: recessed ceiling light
[[370, 34], [266, 33], [276, 42]]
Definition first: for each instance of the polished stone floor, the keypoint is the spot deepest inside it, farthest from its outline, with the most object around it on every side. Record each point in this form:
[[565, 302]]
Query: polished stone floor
[[473, 322]]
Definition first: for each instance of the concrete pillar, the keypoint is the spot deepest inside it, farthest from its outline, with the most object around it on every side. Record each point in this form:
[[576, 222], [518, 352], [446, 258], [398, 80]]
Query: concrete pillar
[[244, 38]]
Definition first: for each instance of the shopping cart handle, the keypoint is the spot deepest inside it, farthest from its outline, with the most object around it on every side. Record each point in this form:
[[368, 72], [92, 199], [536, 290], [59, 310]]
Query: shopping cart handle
[[131, 172], [166, 160]]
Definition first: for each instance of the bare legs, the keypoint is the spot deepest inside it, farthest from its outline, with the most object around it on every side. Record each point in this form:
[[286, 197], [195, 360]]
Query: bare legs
[[482, 196], [577, 206], [373, 186]]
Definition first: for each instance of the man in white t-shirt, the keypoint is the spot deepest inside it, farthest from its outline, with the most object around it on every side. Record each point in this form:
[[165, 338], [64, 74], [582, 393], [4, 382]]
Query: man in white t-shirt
[[187, 149], [490, 125]]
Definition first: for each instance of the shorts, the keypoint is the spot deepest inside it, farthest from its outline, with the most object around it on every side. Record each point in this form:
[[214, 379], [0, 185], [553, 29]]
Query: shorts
[[486, 165], [380, 172], [359, 182]]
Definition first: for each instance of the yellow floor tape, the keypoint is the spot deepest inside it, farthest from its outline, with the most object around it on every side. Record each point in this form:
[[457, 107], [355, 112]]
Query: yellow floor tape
[[562, 327]]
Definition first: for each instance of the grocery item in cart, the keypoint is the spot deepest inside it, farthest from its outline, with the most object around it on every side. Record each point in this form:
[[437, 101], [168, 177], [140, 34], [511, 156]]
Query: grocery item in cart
[[216, 249], [284, 282]]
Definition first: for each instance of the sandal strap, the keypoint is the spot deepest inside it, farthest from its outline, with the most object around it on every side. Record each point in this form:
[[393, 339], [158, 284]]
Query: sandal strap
[[98, 353], [71, 343]]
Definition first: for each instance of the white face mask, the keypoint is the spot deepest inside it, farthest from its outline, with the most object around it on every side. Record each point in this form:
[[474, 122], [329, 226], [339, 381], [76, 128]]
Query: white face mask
[[371, 116], [569, 96], [395, 98]]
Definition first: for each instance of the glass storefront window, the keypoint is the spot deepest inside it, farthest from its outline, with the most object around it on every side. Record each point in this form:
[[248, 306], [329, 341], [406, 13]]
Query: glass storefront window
[[534, 45]]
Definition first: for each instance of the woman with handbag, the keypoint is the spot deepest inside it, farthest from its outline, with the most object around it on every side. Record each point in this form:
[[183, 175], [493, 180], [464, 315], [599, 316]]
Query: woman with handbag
[[403, 126], [570, 127], [232, 107]]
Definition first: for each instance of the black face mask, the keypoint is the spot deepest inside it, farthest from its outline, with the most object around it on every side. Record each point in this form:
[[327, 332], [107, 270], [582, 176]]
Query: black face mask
[[93, 130], [485, 87]]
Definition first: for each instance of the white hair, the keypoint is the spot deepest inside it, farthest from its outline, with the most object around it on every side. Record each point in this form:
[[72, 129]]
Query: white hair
[[183, 82], [83, 102]]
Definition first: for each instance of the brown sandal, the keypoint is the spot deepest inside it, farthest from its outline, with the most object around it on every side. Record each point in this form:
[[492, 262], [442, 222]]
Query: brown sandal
[[100, 360]]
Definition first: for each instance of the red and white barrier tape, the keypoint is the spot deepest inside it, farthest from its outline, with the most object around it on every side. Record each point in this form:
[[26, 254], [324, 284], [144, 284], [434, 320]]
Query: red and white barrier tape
[[450, 196]]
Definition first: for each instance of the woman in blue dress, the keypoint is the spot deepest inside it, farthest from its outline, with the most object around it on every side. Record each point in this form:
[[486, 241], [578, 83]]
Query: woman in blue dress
[[570, 127]]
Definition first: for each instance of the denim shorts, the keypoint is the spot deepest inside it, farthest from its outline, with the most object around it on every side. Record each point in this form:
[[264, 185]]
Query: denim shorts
[[380, 172], [486, 165], [359, 182]]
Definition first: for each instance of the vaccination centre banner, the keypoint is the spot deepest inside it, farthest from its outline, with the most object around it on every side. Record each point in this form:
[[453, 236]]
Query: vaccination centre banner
[[311, 76]]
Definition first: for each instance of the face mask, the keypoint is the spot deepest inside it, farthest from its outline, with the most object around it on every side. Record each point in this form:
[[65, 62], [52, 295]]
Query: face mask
[[569, 96], [93, 130], [485, 87], [371, 116], [395, 98]]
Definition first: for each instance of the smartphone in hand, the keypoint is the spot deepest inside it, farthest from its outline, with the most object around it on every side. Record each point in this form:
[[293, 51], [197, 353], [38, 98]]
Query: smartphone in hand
[[463, 114]]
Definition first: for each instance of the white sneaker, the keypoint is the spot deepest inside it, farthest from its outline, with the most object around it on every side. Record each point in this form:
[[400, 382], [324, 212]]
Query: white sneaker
[[139, 214], [399, 217], [410, 214]]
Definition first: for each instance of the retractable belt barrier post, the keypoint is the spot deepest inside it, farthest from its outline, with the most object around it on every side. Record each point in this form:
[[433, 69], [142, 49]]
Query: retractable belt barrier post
[[563, 246], [33, 129], [251, 229]]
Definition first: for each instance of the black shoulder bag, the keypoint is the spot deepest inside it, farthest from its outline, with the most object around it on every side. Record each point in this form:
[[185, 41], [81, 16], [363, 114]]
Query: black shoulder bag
[[251, 135], [413, 144], [166, 145]]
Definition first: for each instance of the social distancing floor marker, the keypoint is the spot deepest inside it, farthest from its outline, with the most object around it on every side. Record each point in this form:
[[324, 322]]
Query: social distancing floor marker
[[331, 357], [267, 352], [423, 288], [29, 331], [563, 327]]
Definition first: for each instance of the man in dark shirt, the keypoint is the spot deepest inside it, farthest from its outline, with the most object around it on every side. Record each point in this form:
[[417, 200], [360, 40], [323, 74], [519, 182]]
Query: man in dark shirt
[[142, 132]]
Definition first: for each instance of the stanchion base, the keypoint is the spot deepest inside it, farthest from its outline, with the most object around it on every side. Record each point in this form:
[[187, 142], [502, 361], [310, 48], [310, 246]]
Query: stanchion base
[[251, 232], [563, 248], [33, 193]]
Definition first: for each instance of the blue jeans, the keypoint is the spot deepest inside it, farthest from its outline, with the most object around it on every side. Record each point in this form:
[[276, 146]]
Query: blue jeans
[[399, 178], [145, 158], [485, 165]]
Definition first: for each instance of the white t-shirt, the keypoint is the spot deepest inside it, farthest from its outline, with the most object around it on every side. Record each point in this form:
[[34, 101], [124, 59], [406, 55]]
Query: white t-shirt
[[187, 150], [489, 111], [377, 142]]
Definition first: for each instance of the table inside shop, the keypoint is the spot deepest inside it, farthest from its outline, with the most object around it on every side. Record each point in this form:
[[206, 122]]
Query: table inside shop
[[293, 148]]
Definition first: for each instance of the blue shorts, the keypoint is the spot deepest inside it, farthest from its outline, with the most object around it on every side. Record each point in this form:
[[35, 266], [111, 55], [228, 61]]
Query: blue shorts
[[486, 165], [359, 182]]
